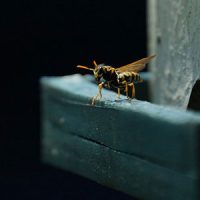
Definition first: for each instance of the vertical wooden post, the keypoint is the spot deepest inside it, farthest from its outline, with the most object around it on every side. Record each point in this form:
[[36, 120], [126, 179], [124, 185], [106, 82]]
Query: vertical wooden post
[[174, 29]]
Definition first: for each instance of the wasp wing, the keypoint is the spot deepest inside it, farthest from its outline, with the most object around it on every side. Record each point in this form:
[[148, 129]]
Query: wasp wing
[[135, 66]]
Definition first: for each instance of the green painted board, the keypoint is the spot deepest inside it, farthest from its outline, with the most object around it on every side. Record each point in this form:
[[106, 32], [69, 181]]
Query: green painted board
[[145, 150]]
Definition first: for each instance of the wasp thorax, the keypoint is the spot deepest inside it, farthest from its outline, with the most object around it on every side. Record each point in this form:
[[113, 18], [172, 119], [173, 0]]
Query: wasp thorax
[[120, 78]]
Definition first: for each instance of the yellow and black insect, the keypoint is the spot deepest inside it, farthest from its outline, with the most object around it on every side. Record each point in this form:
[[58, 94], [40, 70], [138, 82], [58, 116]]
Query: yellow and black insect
[[120, 78]]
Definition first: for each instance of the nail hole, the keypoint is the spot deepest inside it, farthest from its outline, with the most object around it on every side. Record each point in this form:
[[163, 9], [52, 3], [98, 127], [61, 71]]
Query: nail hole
[[158, 40]]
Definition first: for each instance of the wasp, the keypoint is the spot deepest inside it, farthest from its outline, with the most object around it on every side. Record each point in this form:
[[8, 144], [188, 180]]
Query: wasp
[[122, 78]]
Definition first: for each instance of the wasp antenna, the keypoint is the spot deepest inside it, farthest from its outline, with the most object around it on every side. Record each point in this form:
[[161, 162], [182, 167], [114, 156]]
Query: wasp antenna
[[152, 56], [84, 67], [95, 64]]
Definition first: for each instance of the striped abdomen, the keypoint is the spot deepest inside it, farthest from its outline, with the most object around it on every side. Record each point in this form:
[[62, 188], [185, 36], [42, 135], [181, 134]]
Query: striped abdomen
[[129, 77]]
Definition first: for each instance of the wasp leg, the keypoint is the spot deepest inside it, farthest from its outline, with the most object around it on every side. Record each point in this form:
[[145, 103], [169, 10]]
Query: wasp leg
[[133, 90], [99, 94], [126, 89], [100, 86], [108, 85], [118, 93]]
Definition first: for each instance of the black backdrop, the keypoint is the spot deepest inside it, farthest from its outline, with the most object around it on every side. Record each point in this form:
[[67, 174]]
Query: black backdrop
[[50, 38]]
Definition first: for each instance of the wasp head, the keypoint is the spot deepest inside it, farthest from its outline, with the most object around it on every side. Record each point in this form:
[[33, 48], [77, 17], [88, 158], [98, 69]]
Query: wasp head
[[98, 73], [98, 70]]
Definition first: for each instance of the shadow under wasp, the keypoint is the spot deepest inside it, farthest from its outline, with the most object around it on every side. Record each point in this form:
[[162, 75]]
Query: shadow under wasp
[[122, 78]]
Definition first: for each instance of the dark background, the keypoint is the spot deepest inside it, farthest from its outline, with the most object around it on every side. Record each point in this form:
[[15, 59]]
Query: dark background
[[42, 38]]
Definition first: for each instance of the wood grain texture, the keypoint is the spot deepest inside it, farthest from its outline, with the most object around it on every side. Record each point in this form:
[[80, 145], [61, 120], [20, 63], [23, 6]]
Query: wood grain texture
[[142, 149], [174, 36]]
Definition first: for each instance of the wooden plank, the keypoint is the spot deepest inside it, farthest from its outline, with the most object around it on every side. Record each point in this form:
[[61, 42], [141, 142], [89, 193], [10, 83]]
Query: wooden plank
[[174, 36], [122, 144], [118, 170]]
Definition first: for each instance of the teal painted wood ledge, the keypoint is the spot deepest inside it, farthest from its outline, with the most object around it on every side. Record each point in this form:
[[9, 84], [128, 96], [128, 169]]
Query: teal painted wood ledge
[[145, 150]]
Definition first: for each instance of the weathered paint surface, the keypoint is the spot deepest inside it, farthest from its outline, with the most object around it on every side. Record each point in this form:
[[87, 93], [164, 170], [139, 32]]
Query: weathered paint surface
[[174, 30], [142, 149]]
